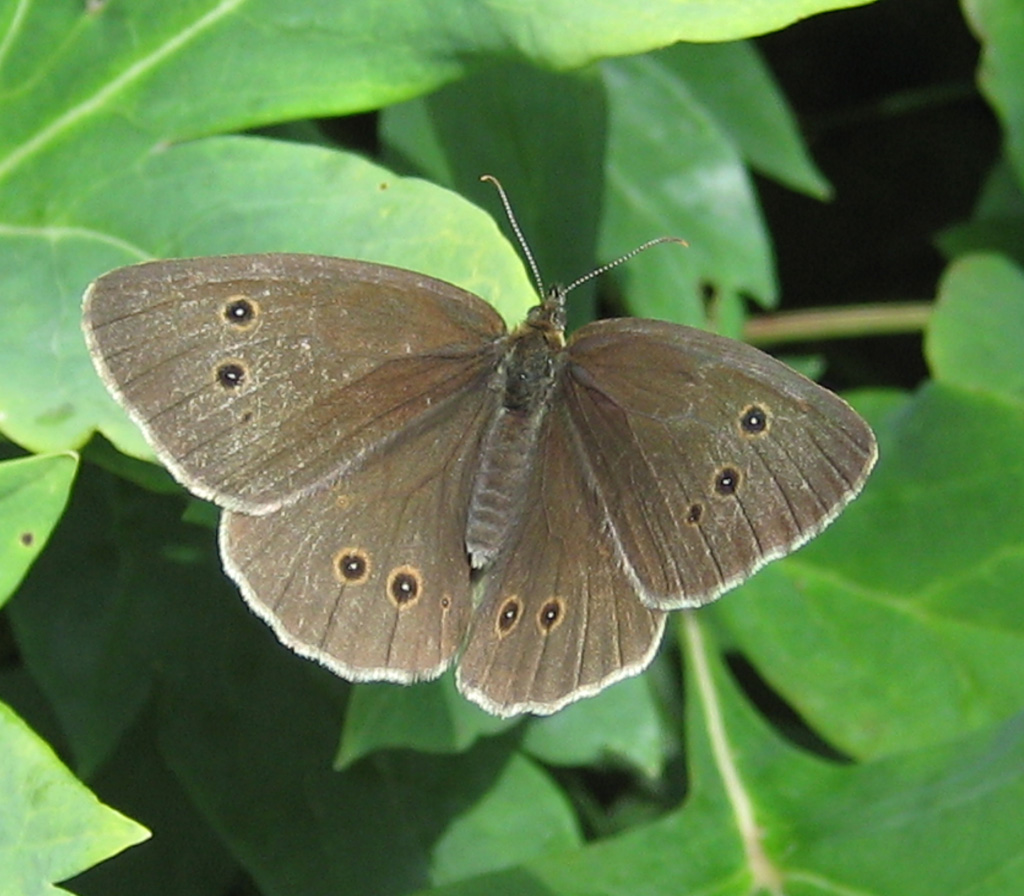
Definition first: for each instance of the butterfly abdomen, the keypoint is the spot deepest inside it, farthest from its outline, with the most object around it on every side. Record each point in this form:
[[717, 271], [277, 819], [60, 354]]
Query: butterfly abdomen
[[525, 378]]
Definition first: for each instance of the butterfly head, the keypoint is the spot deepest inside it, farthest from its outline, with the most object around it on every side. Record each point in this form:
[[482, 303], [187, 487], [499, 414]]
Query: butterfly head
[[550, 313]]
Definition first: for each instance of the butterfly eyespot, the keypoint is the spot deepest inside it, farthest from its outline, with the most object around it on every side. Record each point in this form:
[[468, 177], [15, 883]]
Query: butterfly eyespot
[[508, 616], [352, 566], [446, 602], [754, 420], [231, 375], [27, 538], [727, 481], [550, 615], [241, 312], [694, 513], [404, 586]]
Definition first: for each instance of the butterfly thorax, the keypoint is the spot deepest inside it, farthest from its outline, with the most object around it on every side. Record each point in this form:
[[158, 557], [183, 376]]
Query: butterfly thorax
[[525, 380]]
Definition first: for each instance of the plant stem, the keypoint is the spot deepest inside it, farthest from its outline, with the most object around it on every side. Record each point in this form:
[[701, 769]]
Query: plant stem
[[837, 323]]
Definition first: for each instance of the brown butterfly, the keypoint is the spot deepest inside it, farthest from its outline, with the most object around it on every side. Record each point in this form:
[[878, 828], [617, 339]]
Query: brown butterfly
[[406, 484]]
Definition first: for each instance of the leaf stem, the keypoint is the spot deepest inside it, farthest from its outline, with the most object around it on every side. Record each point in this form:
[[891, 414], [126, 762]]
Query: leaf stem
[[837, 323], [765, 875]]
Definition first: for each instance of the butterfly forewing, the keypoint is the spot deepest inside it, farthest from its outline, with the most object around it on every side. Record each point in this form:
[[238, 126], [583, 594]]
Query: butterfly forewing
[[260, 377], [709, 457]]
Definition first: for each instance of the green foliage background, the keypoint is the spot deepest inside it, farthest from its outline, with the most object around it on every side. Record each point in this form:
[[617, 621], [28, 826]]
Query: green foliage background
[[847, 722]]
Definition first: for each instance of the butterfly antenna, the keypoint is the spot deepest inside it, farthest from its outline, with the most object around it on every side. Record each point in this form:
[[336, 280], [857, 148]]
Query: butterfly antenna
[[516, 230], [597, 272]]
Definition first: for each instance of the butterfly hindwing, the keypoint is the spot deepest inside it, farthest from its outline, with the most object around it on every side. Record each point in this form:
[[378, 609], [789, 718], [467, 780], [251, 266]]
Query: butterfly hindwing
[[370, 576], [558, 618]]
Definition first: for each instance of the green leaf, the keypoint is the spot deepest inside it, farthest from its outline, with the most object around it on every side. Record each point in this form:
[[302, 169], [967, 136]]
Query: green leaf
[[146, 473], [245, 724], [1000, 29], [703, 98], [973, 337], [620, 726], [475, 127], [763, 817], [244, 62], [51, 826], [997, 222], [432, 717], [96, 613], [184, 854], [521, 817], [733, 83], [672, 171], [902, 625], [33, 492]]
